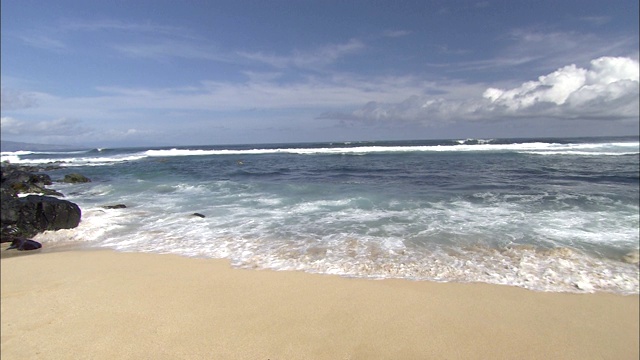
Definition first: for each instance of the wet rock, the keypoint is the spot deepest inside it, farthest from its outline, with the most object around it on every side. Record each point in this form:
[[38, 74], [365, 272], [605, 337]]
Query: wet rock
[[27, 216], [41, 213], [75, 178], [23, 244], [198, 215], [16, 180], [117, 206], [632, 257]]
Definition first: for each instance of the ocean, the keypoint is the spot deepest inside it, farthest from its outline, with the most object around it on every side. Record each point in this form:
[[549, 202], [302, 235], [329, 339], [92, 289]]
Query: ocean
[[558, 215]]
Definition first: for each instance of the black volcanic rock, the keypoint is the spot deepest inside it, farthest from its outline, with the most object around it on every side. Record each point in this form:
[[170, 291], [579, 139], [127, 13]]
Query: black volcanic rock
[[27, 216], [17, 180], [40, 213], [75, 178], [23, 244]]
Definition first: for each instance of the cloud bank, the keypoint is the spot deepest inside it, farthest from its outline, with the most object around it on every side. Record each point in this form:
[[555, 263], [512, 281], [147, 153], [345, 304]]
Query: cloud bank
[[59, 127], [607, 90]]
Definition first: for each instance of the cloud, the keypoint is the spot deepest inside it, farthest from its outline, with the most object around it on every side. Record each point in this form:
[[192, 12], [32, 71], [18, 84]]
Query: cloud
[[609, 87], [14, 100], [164, 49], [59, 127], [396, 33], [111, 25], [596, 20], [69, 131], [263, 91], [608, 90], [310, 59], [42, 41], [532, 50]]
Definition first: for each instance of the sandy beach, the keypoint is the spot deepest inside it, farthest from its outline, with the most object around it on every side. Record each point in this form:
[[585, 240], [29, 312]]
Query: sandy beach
[[109, 305]]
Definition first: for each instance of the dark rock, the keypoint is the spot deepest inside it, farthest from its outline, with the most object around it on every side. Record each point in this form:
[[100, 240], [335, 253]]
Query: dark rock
[[48, 213], [75, 178], [198, 215], [9, 213], [33, 169], [17, 180], [117, 206], [25, 217], [34, 214], [22, 244]]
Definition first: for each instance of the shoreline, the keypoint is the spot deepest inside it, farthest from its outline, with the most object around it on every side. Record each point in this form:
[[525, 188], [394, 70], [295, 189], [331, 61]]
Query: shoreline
[[55, 247], [101, 304]]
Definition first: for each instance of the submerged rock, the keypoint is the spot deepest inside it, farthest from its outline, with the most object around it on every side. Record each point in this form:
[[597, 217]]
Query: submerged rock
[[117, 206], [632, 257], [75, 178]]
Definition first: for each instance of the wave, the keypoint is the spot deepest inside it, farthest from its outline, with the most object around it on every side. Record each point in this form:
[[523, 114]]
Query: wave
[[102, 156], [533, 148], [74, 161], [475, 141], [27, 152], [583, 153]]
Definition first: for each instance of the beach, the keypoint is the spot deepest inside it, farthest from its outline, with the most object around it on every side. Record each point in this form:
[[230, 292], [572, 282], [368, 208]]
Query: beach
[[101, 304]]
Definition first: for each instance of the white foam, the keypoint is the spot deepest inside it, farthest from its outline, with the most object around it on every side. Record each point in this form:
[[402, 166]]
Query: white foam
[[532, 147], [73, 161], [581, 153], [479, 145]]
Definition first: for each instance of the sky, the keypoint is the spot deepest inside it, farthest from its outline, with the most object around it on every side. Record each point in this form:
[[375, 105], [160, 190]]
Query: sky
[[163, 73]]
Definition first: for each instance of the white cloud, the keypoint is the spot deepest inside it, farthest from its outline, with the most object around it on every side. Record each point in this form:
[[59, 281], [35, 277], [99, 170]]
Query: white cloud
[[58, 127], [43, 41], [309, 59], [572, 92], [609, 89], [532, 50], [110, 25], [171, 49], [396, 33], [13, 100], [596, 20]]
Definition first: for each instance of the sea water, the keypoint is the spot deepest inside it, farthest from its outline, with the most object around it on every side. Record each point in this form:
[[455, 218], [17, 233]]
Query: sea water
[[543, 214]]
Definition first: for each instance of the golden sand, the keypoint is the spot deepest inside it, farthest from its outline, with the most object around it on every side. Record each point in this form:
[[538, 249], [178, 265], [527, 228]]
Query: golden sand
[[109, 305]]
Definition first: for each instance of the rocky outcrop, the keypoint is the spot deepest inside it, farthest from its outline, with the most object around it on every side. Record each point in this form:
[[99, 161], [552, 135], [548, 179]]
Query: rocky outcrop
[[40, 213], [17, 180], [24, 217]]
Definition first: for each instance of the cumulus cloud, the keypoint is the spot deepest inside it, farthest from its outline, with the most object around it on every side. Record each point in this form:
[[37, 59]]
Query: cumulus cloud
[[608, 89]]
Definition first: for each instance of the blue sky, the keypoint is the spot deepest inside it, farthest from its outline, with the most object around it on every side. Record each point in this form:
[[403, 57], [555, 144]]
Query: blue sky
[[140, 73]]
